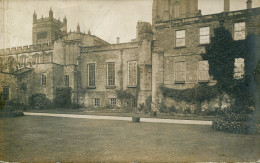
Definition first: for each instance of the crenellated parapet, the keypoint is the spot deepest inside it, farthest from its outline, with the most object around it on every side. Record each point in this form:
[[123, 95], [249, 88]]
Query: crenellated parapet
[[26, 49]]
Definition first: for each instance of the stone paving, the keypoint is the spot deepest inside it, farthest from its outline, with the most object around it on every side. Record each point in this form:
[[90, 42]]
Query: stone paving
[[152, 120]]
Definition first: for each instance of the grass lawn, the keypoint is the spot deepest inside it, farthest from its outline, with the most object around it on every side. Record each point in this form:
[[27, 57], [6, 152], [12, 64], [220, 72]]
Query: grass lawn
[[45, 139]]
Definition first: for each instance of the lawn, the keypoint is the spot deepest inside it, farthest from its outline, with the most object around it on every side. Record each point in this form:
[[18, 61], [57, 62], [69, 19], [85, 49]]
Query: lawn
[[49, 139]]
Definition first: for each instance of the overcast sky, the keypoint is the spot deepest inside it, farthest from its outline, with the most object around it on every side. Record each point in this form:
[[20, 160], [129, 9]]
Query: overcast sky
[[106, 19]]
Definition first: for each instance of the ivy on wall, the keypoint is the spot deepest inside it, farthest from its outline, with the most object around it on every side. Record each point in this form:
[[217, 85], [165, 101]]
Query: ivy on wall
[[221, 54]]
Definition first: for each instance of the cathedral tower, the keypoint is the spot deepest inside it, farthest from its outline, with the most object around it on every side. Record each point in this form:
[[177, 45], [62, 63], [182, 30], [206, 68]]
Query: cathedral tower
[[46, 30], [164, 10]]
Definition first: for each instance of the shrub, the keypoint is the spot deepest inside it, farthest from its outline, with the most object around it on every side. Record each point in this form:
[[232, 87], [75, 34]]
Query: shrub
[[39, 101], [236, 123], [235, 127], [62, 97], [2, 102]]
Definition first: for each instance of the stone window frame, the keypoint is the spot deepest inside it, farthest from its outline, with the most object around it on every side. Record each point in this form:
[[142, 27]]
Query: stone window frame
[[181, 38], [24, 60], [48, 56], [134, 84], [199, 70], [175, 72], [36, 58], [201, 43], [67, 81], [44, 79], [112, 101], [239, 31], [113, 81], [96, 102], [93, 85]]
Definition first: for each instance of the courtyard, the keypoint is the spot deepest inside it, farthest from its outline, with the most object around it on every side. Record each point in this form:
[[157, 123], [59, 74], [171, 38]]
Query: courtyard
[[49, 139]]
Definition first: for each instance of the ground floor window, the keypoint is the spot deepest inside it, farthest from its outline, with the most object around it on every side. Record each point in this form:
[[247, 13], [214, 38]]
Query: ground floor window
[[5, 93], [112, 101], [67, 80], [96, 101], [44, 79]]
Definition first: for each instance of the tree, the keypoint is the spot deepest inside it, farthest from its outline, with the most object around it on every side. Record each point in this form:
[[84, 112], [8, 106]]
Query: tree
[[221, 54]]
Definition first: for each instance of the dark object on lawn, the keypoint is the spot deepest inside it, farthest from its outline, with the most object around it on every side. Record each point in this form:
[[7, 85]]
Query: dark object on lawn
[[135, 119], [153, 114]]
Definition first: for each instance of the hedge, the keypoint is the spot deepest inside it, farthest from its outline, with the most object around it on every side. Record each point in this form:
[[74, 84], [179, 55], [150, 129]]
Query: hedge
[[7, 114]]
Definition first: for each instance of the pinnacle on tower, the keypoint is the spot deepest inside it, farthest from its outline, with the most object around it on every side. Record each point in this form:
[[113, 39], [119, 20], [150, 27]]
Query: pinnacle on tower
[[78, 28], [65, 19], [34, 17], [51, 13], [89, 32]]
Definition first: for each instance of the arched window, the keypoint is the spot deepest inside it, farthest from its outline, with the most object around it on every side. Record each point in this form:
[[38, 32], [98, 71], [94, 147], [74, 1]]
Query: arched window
[[24, 60], [11, 64], [36, 58]]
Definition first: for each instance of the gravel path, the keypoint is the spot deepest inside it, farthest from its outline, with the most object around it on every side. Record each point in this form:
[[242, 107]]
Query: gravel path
[[153, 120]]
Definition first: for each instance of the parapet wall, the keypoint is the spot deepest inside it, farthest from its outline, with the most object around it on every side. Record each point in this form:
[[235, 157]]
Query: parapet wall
[[26, 49], [208, 18]]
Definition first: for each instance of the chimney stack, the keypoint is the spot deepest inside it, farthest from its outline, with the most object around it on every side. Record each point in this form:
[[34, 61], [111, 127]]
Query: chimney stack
[[249, 4], [117, 40], [226, 5]]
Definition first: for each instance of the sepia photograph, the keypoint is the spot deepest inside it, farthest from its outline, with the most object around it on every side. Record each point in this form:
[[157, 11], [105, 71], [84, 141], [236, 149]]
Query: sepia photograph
[[129, 81]]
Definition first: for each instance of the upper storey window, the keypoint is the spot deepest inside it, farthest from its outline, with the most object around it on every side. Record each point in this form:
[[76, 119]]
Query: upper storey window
[[240, 31], [180, 38], [204, 35], [42, 35], [177, 10]]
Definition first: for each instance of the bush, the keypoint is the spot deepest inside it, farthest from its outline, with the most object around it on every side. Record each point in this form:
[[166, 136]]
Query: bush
[[236, 123], [62, 97], [39, 101]]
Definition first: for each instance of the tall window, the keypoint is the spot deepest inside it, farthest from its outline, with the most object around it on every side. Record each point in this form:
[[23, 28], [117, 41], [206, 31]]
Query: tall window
[[24, 60], [5, 93], [91, 74], [204, 35], [177, 10], [112, 101], [44, 79], [240, 31], [111, 73], [180, 72], [132, 73], [96, 101], [180, 38], [203, 71], [239, 70], [67, 80]]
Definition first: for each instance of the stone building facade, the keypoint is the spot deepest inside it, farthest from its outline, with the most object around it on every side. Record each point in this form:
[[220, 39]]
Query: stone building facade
[[165, 53]]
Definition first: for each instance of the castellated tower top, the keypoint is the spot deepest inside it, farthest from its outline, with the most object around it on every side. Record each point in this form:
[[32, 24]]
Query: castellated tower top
[[46, 30], [164, 10]]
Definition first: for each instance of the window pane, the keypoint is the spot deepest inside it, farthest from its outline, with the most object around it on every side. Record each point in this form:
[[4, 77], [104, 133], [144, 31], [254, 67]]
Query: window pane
[[5, 93], [91, 74], [44, 79], [132, 72], [203, 73], [204, 35], [239, 70], [240, 31], [67, 80], [111, 73], [180, 38], [180, 71]]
